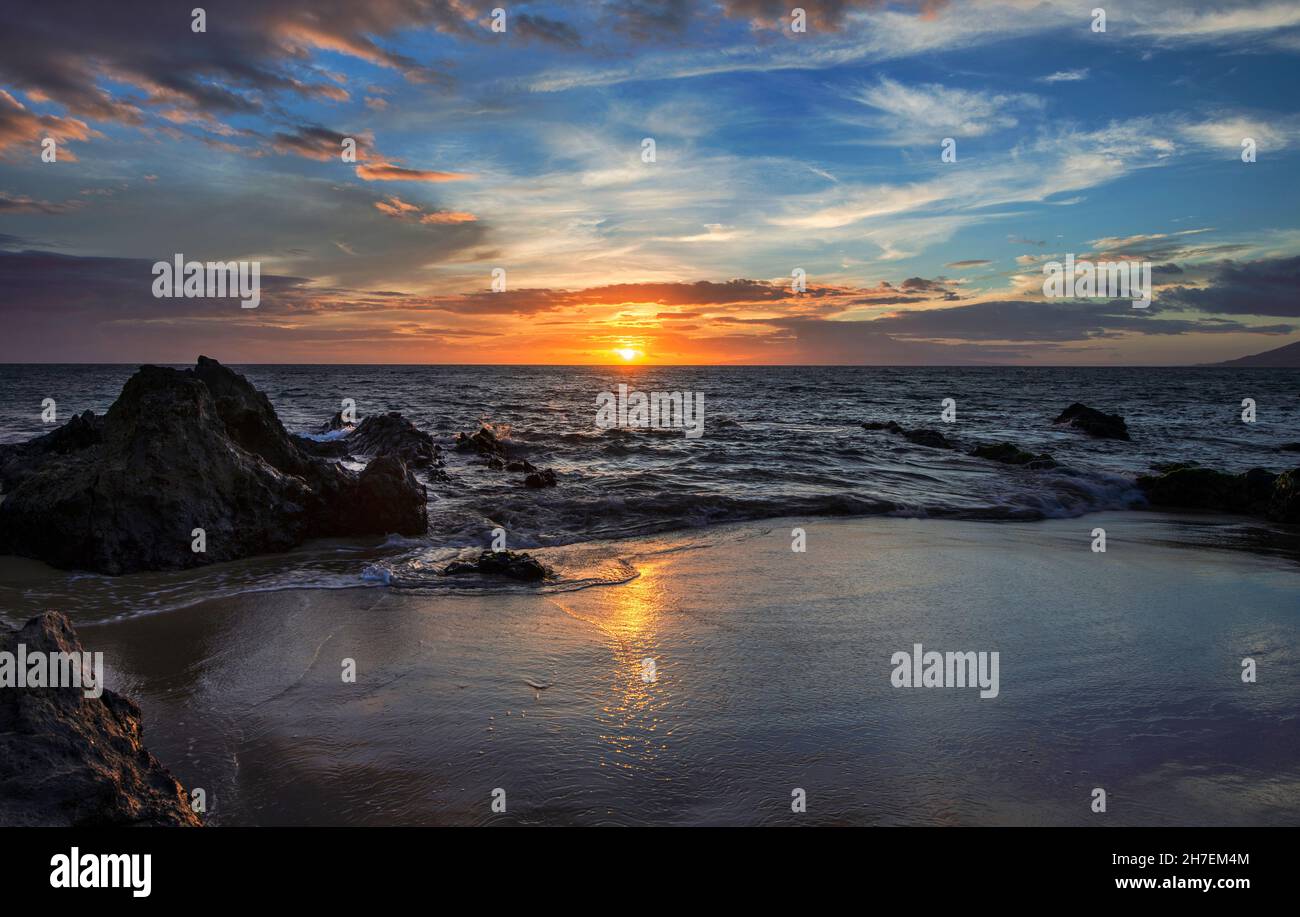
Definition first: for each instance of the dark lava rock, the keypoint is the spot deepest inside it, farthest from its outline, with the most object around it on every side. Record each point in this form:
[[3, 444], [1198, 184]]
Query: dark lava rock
[[334, 424], [485, 443], [931, 438], [1289, 447], [1094, 422], [522, 465], [67, 760], [1011, 454], [185, 449], [387, 498], [1190, 487], [544, 478], [1284, 502], [501, 563], [18, 460], [393, 434]]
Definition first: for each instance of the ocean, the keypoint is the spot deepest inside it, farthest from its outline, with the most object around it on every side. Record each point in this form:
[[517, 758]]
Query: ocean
[[777, 442]]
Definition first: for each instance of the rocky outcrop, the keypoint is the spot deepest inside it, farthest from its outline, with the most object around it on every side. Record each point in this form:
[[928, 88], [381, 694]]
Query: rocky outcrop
[[485, 443], [518, 566], [67, 760], [489, 446], [187, 449], [1257, 492], [1093, 422], [393, 434], [1011, 454]]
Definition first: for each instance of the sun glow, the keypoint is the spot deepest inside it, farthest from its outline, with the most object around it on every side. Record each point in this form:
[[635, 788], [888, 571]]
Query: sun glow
[[627, 353]]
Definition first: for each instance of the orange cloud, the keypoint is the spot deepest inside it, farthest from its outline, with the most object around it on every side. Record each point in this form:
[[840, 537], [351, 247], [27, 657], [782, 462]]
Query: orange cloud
[[387, 171]]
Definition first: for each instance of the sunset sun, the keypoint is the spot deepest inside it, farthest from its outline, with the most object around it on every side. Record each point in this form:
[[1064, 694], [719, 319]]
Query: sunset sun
[[627, 353]]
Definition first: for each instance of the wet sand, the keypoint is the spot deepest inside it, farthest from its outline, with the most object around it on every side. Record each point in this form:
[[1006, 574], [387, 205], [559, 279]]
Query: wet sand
[[772, 672]]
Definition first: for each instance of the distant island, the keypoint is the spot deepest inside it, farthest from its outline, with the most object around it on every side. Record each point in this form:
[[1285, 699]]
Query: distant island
[[1287, 356]]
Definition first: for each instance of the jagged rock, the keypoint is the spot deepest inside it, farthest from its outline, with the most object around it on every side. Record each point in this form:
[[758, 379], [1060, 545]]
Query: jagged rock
[[186, 449], [19, 460], [1011, 454], [334, 424], [544, 478], [501, 563], [393, 434], [1284, 502], [387, 496], [67, 760], [1094, 422], [1190, 487], [522, 465], [485, 443]]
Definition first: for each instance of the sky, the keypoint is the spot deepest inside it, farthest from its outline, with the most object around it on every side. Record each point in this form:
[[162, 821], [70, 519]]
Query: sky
[[777, 154]]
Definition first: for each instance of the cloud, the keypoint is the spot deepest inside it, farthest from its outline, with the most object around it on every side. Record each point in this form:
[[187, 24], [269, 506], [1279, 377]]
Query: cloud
[[1265, 287], [10, 203], [22, 131], [387, 171], [927, 113], [1066, 76]]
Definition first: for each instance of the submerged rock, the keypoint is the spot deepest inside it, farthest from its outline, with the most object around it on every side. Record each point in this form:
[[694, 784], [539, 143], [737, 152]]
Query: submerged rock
[[930, 438], [187, 449], [1093, 422], [1011, 454], [484, 442], [544, 478], [518, 566], [1284, 502], [1192, 487], [67, 760]]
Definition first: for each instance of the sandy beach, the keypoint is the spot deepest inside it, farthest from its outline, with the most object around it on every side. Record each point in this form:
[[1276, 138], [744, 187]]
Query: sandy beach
[[771, 672]]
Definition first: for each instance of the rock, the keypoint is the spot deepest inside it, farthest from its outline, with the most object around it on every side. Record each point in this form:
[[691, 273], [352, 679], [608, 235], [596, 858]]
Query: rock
[[387, 497], [501, 563], [173, 457], [485, 443], [67, 760], [1190, 487], [931, 438], [19, 460], [545, 478], [393, 434], [334, 424], [1284, 502], [522, 465], [1011, 454], [1094, 422], [1289, 447]]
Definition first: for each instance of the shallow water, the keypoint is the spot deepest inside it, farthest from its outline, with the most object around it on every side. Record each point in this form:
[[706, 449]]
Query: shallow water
[[772, 671], [777, 441]]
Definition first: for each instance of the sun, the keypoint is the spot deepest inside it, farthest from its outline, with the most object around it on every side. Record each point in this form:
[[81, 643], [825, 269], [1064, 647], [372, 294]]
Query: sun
[[627, 353]]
